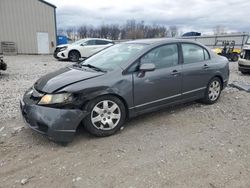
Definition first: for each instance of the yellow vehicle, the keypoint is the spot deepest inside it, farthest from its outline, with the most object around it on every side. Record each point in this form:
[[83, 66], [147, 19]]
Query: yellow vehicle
[[228, 50]]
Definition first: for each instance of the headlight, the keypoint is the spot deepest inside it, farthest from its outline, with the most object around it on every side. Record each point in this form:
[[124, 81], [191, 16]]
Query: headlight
[[56, 98], [63, 48], [242, 54]]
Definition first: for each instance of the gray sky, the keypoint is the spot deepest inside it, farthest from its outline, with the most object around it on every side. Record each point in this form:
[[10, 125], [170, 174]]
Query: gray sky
[[198, 15]]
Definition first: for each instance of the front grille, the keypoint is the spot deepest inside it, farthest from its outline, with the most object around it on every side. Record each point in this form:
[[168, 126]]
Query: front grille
[[247, 55], [57, 50], [244, 66]]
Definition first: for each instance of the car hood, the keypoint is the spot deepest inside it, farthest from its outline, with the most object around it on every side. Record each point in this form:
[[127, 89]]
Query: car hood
[[62, 45], [64, 77]]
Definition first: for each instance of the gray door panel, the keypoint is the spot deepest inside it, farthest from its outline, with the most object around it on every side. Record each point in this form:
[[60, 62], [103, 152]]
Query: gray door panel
[[157, 87], [195, 76], [196, 70]]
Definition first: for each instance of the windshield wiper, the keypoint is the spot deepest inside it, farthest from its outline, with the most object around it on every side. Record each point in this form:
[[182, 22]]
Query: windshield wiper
[[93, 67]]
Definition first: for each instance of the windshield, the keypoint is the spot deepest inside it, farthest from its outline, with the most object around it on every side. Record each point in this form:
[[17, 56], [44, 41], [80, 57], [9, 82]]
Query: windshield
[[79, 42], [114, 56], [248, 40]]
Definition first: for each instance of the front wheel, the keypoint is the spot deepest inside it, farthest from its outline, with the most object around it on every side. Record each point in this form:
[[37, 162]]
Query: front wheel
[[74, 56], [107, 115], [213, 91]]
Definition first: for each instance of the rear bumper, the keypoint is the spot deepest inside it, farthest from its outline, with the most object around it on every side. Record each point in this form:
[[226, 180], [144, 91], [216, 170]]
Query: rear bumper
[[58, 124]]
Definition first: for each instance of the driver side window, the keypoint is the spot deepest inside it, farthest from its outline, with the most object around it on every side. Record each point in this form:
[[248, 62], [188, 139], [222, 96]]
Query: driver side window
[[163, 56]]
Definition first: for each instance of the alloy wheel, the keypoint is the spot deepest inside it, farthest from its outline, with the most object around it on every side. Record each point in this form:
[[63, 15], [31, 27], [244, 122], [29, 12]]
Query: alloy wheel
[[105, 115], [214, 90]]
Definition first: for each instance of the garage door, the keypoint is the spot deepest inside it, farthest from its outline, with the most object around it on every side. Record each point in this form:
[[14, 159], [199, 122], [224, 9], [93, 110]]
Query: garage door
[[43, 43]]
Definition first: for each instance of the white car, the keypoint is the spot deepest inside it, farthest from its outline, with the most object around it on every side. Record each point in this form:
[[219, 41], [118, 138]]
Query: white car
[[244, 61], [81, 49]]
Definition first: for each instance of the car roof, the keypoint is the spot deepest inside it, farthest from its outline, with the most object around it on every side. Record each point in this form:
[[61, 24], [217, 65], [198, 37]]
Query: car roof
[[158, 41], [97, 39]]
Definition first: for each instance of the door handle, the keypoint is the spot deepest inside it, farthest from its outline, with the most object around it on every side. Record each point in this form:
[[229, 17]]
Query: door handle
[[205, 66], [175, 72]]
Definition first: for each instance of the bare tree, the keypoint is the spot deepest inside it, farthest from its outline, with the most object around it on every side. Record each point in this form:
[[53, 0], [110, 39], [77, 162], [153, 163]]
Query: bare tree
[[61, 31], [130, 30], [104, 31], [82, 31], [69, 32], [114, 32]]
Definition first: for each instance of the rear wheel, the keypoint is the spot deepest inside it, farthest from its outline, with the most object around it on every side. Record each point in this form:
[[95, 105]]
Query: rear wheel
[[107, 115], [213, 91], [74, 56]]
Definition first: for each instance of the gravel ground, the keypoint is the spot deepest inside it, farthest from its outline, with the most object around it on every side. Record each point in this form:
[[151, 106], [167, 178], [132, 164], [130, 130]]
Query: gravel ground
[[190, 145]]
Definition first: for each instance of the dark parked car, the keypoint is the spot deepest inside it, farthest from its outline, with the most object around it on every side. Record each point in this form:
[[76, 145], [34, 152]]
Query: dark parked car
[[3, 65], [121, 82]]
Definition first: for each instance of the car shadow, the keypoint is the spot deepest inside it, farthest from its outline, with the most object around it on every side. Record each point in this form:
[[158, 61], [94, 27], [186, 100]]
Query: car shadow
[[82, 134], [162, 112], [4, 75]]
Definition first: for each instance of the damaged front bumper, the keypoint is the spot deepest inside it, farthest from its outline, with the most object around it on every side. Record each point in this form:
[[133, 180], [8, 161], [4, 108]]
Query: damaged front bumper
[[58, 124]]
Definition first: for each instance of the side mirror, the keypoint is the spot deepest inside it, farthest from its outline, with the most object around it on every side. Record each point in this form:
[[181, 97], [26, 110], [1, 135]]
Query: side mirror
[[147, 67], [82, 44]]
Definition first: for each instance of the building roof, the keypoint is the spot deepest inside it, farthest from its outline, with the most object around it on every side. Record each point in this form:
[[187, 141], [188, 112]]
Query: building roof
[[47, 3]]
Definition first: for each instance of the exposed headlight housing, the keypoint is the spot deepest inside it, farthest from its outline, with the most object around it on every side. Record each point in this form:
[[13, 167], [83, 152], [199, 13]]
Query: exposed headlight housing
[[56, 98]]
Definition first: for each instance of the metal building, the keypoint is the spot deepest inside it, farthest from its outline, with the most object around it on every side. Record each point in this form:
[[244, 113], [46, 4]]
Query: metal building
[[28, 24]]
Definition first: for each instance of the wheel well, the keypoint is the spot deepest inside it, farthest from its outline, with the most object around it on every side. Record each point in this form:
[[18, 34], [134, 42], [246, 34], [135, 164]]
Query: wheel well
[[114, 95], [221, 80], [75, 51], [123, 101]]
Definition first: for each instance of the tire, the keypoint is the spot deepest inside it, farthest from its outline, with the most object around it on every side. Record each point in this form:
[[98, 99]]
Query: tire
[[213, 91], [3, 66], [107, 115], [244, 72], [235, 57], [74, 56]]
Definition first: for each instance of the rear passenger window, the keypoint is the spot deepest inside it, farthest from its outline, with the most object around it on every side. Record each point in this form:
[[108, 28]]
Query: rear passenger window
[[193, 53]]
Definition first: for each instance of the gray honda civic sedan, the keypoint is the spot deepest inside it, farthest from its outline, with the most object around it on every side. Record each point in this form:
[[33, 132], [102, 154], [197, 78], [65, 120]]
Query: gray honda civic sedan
[[121, 82]]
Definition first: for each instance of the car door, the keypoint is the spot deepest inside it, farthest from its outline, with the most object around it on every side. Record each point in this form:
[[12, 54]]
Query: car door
[[161, 86], [88, 48], [196, 70]]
